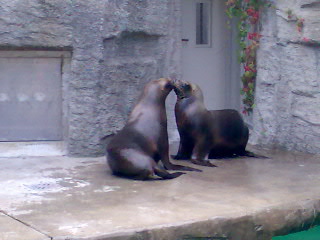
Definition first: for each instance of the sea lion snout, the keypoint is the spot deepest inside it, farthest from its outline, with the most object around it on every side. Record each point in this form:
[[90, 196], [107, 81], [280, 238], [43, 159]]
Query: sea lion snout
[[177, 84], [169, 85], [182, 88], [166, 83]]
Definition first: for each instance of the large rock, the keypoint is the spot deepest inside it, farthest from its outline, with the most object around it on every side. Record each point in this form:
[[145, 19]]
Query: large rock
[[117, 46], [288, 81]]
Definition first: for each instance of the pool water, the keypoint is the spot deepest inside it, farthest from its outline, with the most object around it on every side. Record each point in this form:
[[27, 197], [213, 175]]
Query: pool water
[[311, 234]]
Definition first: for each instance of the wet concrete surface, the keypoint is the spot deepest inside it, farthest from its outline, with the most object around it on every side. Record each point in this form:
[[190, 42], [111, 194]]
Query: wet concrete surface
[[78, 198]]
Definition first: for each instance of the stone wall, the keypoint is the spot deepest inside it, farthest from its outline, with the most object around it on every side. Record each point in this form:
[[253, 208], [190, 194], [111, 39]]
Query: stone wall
[[140, 44], [287, 112], [117, 46]]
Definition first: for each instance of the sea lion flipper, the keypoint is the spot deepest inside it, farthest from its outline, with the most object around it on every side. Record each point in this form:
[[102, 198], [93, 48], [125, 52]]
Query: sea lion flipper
[[245, 153], [171, 166], [202, 163], [251, 154], [179, 157], [185, 147], [166, 175]]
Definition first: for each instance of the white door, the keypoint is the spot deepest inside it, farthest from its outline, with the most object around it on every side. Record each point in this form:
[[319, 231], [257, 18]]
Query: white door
[[209, 52]]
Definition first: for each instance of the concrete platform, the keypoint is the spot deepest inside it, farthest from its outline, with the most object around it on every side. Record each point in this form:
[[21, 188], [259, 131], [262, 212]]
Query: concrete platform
[[78, 198], [36, 149]]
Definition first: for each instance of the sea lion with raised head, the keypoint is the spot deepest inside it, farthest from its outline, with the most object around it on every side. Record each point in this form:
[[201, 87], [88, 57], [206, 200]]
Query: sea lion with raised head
[[136, 149], [204, 133]]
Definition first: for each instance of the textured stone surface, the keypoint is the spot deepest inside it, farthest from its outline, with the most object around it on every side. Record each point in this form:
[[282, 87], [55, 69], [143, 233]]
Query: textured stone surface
[[117, 46], [288, 82], [36, 23]]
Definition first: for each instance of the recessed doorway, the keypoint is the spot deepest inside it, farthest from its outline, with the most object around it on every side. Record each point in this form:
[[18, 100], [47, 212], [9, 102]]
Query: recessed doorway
[[31, 98], [209, 52]]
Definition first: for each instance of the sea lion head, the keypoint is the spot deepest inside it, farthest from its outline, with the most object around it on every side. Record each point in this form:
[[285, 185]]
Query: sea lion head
[[159, 88], [185, 89]]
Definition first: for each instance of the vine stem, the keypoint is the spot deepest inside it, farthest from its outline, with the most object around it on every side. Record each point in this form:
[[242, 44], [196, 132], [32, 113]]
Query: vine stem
[[248, 12]]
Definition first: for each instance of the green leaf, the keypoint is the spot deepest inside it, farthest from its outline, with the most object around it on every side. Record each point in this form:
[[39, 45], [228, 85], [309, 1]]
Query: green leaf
[[239, 8]]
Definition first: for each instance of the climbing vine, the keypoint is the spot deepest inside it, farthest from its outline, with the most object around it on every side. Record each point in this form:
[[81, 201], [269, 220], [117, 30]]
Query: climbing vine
[[248, 13], [298, 20]]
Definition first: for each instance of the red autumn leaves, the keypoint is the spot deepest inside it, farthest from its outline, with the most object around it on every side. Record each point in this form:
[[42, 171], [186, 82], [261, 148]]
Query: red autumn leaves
[[250, 71], [299, 24], [254, 15], [254, 36], [299, 21], [248, 13]]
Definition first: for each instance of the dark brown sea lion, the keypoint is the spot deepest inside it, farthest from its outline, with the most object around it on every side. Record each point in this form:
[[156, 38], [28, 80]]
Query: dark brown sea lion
[[136, 149], [203, 133]]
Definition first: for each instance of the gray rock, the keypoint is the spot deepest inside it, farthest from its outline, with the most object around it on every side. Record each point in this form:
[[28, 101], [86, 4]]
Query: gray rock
[[287, 90]]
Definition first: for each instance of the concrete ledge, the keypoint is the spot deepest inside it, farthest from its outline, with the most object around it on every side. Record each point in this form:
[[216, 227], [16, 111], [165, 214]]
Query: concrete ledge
[[12, 229], [278, 220], [32, 149], [244, 198]]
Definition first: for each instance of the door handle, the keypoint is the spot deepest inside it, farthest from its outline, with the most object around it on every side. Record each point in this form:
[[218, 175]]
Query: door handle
[[185, 40]]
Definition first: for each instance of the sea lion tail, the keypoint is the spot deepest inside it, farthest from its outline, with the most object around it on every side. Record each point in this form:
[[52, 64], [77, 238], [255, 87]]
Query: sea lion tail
[[253, 155], [165, 174]]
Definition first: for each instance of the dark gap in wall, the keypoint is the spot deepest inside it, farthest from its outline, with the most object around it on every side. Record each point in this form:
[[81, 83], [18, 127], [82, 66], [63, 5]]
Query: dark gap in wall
[[314, 4]]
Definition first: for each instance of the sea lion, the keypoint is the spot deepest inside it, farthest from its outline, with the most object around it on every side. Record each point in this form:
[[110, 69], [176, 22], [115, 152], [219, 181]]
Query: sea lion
[[136, 149], [204, 133]]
